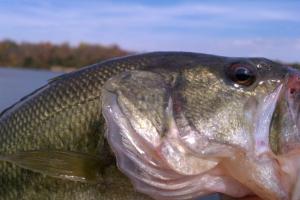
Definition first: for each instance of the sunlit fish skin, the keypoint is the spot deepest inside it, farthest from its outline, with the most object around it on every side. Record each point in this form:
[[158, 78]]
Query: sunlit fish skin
[[181, 125]]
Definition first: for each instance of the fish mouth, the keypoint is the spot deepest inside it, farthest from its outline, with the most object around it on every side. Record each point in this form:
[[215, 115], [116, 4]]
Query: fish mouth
[[285, 124], [274, 162], [291, 140], [288, 156]]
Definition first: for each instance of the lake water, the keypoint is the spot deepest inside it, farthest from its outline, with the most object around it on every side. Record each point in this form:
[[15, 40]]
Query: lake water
[[16, 83]]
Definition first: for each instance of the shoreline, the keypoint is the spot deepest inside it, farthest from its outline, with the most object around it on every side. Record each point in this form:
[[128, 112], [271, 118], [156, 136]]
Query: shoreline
[[56, 69]]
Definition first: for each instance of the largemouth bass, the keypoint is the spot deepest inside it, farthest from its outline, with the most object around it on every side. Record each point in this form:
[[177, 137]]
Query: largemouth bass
[[180, 125]]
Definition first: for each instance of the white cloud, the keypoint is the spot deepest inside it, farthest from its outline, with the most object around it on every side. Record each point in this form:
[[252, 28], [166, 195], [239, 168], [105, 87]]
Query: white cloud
[[278, 49], [142, 15], [192, 27]]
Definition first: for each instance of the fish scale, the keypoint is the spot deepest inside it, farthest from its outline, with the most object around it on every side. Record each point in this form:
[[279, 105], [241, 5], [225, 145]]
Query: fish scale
[[179, 124], [64, 114]]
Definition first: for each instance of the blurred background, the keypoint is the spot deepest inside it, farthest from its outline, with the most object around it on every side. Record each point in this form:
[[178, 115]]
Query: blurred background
[[42, 39], [54, 34]]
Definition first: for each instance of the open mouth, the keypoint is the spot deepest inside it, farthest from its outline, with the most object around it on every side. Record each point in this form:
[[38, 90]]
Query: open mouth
[[274, 165]]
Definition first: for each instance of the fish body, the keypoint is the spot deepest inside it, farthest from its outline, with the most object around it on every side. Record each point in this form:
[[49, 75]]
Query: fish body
[[181, 125], [65, 114]]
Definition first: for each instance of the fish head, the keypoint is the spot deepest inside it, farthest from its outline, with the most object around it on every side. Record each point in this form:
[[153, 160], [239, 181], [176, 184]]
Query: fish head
[[204, 124]]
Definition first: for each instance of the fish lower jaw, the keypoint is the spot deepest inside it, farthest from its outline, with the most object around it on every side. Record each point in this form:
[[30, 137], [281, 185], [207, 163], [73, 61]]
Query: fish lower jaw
[[268, 176], [290, 170]]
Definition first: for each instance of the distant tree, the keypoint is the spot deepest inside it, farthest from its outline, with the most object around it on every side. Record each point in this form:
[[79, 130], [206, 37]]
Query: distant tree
[[46, 55], [295, 65]]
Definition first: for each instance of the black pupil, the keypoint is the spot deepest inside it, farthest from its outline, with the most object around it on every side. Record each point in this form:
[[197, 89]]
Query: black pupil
[[243, 74]]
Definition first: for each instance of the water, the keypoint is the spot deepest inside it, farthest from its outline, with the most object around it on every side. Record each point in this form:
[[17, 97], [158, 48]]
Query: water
[[16, 83]]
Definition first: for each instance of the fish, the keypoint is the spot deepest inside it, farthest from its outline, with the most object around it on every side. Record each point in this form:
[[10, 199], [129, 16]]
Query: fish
[[160, 125]]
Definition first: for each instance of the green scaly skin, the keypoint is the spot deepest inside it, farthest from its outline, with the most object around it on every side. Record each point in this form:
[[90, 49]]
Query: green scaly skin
[[66, 115]]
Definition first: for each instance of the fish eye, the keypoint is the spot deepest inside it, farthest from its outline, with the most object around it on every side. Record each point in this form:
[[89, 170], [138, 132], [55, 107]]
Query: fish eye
[[242, 74]]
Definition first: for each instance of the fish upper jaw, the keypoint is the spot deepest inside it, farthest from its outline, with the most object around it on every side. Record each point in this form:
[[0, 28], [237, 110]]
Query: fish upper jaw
[[263, 121]]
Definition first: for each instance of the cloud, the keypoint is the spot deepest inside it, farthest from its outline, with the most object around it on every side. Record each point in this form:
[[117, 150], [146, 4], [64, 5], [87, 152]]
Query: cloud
[[278, 49], [227, 28], [180, 15]]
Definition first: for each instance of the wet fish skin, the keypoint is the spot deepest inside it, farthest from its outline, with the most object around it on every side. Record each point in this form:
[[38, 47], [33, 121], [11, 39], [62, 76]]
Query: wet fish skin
[[190, 131], [187, 124], [65, 114]]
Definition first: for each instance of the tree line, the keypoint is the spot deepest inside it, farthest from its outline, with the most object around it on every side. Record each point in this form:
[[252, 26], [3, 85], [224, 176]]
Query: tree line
[[45, 55]]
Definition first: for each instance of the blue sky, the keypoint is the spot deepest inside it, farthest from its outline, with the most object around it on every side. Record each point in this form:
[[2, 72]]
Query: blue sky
[[232, 27]]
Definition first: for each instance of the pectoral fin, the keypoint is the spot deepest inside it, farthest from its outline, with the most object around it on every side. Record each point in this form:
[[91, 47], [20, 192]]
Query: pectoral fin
[[60, 164]]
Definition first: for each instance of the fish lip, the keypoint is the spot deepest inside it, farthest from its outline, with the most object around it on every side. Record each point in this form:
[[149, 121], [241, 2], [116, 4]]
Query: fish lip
[[288, 102], [288, 157], [263, 122], [293, 95], [291, 98]]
